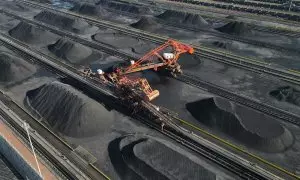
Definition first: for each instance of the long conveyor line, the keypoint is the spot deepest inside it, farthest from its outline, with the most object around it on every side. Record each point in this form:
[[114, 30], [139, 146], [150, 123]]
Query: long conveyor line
[[236, 38], [266, 28], [60, 167], [63, 71], [260, 4], [294, 16], [213, 54], [229, 12], [242, 169], [186, 77], [240, 149]]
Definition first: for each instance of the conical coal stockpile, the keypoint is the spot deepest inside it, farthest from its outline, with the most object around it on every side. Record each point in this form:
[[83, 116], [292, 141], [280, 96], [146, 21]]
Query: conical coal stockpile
[[143, 157], [235, 28], [71, 51], [69, 111], [71, 24], [31, 34], [250, 127], [146, 23], [13, 69]]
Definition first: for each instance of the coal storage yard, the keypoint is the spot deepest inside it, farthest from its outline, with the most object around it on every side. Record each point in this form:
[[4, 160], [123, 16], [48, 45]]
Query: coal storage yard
[[147, 90]]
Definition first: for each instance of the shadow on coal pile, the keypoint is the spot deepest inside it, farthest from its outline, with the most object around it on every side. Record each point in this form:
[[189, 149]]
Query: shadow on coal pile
[[142, 157], [245, 125], [183, 18], [31, 34], [85, 8], [13, 69], [188, 61], [75, 25], [146, 23], [287, 94], [235, 28], [74, 52], [124, 7], [68, 111]]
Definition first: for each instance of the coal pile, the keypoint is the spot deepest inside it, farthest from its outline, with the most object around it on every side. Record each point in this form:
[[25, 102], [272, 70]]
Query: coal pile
[[185, 18], [235, 28], [146, 23], [287, 94], [124, 7], [142, 157], [31, 34], [188, 61], [245, 125], [74, 25], [85, 8], [68, 111], [73, 52], [13, 69]]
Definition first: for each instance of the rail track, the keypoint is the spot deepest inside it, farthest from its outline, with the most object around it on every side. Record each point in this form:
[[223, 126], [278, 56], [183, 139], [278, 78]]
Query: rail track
[[175, 132], [293, 16], [231, 59], [236, 38], [23, 50], [59, 166], [186, 77], [231, 167], [267, 109], [267, 29], [180, 5], [244, 170], [283, 32], [267, 5]]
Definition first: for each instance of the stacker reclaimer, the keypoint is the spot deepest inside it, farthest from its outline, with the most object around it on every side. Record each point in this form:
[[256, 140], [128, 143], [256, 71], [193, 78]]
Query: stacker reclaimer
[[163, 58]]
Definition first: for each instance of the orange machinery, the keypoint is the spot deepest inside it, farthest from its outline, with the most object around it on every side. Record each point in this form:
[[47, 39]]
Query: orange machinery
[[164, 57]]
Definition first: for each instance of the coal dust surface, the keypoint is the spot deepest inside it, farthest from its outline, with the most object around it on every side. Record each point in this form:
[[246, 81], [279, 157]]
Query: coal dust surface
[[75, 25], [68, 110], [245, 125], [287, 94], [73, 52], [143, 157], [235, 28], [221, 44], [231, 17], [13, 69], [31, 34], [183, 18]]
